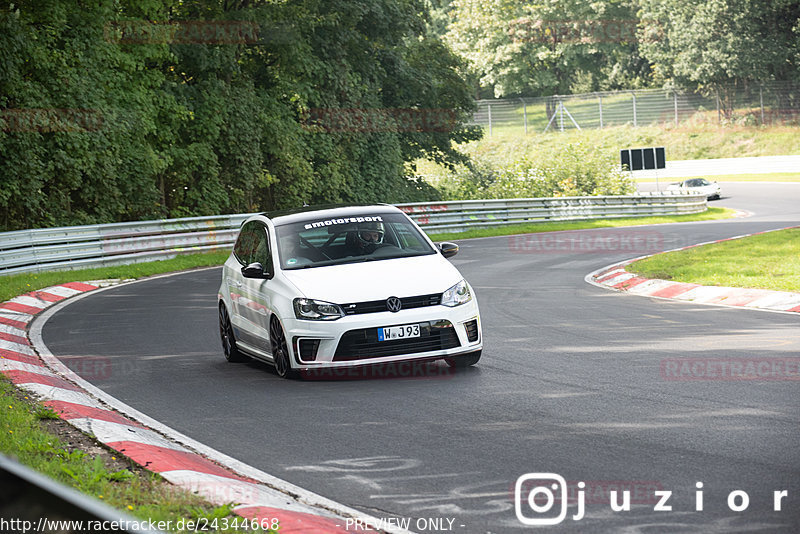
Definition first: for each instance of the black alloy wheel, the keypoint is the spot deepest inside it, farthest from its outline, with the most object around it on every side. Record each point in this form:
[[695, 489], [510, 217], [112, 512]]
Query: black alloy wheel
[[232, 353], [280, 351]]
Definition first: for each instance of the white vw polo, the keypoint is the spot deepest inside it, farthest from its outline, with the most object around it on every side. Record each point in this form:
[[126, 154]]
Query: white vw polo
[[315, 289]]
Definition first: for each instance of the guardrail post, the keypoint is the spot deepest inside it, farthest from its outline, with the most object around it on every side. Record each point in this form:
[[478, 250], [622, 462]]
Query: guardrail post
[[489, 109], [634, 108]]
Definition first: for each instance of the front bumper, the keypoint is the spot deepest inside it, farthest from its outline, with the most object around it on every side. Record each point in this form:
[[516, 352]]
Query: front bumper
[[352, 340]]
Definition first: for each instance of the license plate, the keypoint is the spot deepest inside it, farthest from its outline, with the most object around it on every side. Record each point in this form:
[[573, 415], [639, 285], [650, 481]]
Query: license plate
[[391, 333]]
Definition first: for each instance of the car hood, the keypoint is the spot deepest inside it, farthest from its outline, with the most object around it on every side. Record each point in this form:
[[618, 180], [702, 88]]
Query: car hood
[[376, 280]]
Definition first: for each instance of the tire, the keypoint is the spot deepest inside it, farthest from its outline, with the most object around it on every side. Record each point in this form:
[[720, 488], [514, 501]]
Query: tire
[[280, 350], [229, 349], [464, 360]]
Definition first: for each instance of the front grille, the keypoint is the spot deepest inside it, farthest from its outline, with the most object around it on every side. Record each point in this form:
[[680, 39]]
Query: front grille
[[374, 306], [472, 330], [363, 343]]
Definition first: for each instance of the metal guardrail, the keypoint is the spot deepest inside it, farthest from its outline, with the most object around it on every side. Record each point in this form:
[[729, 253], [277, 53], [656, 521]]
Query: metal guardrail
[[458, 216], [75, 247], [113, 244], [31, 502]]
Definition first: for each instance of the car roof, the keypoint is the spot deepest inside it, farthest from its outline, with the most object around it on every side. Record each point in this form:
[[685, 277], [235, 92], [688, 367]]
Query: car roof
[[305, 213]]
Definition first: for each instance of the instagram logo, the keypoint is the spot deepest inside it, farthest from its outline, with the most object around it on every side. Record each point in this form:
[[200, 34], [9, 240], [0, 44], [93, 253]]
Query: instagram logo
[[536, 492]]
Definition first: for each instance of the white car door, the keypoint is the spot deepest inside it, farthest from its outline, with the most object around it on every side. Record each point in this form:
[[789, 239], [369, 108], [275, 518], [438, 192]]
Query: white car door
[[256, 299]]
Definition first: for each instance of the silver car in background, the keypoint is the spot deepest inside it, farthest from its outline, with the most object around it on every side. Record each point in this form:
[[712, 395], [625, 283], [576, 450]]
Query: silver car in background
[[711, 190]]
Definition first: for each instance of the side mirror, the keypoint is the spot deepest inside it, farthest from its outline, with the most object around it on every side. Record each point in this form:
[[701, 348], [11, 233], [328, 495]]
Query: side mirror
[[255, 270], [448, 250]]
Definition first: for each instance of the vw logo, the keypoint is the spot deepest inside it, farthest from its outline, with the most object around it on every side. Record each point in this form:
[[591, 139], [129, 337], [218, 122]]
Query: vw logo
[[393, 304]]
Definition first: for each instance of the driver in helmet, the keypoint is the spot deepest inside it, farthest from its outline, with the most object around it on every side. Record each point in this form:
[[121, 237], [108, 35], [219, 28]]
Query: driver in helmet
[[367, 237]]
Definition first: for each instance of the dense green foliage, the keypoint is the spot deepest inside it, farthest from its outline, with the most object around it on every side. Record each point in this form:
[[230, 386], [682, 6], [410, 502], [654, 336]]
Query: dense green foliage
[[722, 46], [117, 110], [697, 43]]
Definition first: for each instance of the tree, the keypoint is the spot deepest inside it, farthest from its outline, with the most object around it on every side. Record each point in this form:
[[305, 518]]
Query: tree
[[134, 109], [718, 46], [520, 48], [80, 136]]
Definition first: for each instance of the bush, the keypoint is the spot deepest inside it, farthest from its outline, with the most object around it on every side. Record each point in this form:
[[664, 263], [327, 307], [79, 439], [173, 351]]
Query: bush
[[571, 170]]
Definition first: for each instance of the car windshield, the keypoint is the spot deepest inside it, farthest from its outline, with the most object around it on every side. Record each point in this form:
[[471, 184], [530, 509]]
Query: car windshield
[[697, 182], [331, 241]]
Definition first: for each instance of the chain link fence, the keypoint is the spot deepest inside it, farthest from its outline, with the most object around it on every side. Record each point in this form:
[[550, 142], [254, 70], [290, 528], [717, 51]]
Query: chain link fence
[[752, 104]]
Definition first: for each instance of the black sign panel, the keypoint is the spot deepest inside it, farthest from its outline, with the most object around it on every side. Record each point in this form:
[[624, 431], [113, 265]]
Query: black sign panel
[[625, 159], [649, 155], [661, 158], [636, 159]]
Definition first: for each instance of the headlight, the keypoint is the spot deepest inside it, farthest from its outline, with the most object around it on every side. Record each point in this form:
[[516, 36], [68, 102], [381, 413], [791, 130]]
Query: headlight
[[457, 295], [317, 310]]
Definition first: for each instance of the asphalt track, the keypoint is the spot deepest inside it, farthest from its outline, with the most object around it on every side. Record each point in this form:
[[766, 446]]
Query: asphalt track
[[570, 383]]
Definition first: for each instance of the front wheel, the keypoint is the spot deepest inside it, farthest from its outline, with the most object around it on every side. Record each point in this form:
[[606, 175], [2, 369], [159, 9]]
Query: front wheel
[[464, 360], [280, 351]]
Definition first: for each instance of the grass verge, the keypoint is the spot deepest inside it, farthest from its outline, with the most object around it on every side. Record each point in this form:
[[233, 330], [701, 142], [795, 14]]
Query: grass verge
[[512, 229], [17, 284], [35, 436], [770, 177], [764, 261]]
